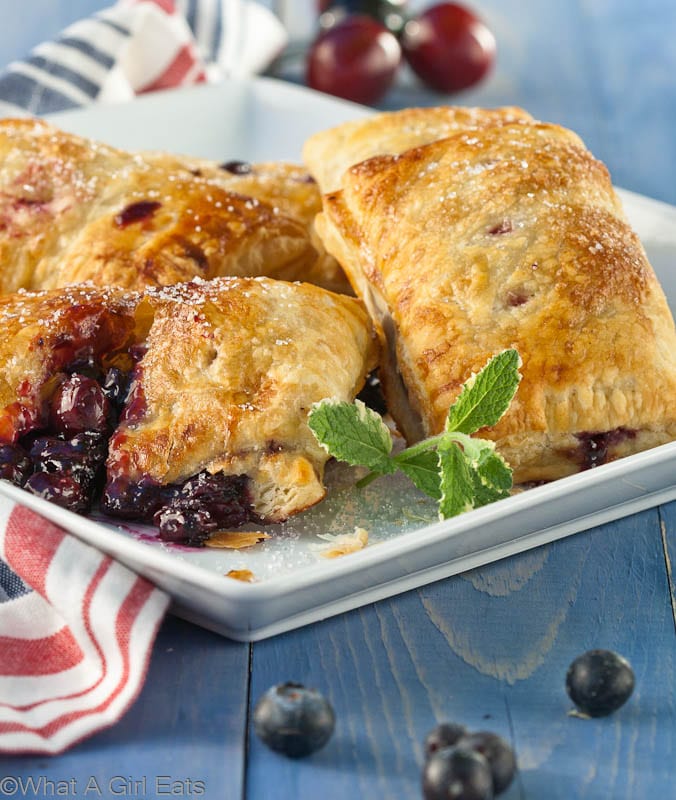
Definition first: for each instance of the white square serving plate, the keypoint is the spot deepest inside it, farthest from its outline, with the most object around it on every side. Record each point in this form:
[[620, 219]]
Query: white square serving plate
[[263, 119]]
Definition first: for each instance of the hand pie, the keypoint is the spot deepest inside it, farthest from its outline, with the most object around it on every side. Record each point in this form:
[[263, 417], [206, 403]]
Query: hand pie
[[223, 391], [506, 236], [197, 394], [329, 153], [74, 211]]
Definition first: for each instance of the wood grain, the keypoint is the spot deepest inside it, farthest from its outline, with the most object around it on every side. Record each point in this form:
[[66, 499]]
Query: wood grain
[[490, 649]]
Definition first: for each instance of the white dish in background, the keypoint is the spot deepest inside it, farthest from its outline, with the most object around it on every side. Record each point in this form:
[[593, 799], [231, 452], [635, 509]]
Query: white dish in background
[[265, 119]]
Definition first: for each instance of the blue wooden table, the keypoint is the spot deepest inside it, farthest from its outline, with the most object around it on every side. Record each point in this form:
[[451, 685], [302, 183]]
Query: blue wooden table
[[489, 648]]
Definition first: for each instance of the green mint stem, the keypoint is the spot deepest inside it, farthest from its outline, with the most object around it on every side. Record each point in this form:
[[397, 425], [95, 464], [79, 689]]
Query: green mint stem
[[362, 482], [425, 444], [433, 441]]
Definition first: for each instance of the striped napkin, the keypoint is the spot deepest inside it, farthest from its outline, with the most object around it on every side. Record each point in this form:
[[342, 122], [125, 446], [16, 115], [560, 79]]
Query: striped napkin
[[139, 46], [76, 631], [76, 627]]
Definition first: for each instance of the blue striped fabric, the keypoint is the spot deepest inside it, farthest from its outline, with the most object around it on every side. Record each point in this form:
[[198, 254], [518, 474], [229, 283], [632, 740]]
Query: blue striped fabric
[[76, 79], [115, 26], [205, 20], [42, 83], [30, 94], [87, 49]]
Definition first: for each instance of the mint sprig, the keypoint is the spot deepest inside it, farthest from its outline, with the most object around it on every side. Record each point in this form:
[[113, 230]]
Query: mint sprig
[[458, 470]]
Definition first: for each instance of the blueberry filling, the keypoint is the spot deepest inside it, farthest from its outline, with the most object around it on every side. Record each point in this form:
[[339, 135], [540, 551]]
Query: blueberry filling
[[237, 167], [61, 458], [15, 465], [594, 446], [187, 512], [203, 505], [136, 212]]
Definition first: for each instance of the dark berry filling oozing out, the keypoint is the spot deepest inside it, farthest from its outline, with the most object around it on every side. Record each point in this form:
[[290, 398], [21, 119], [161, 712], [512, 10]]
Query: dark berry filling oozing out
[[61, 458], [187, 512], [136, 212], [594, 446]]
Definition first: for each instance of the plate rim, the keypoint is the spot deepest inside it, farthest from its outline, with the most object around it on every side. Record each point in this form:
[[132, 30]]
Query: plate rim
[[160, 559]]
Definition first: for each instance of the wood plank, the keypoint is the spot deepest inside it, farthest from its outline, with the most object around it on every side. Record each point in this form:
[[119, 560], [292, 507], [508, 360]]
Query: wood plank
[[490, 649], [187, 725]]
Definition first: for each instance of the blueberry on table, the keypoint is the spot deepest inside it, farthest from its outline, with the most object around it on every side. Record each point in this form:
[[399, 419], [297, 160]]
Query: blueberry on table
[[599, 682], [498, 754], [457, 773], [443, 735], [293, 720]]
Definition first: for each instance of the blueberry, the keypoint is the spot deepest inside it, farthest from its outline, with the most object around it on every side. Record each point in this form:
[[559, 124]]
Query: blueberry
[[497, 752], [79, 404], [115, 386], [457, 773], [237, 167], [599, 682], [14, 464], [62, 490], [445, 734], [293, 720]]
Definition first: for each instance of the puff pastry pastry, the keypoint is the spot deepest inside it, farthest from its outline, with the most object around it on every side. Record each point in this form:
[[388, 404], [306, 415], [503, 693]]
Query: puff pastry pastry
[[72, 210], [198, 393], [510, 235], [329, 153], [231, 370]]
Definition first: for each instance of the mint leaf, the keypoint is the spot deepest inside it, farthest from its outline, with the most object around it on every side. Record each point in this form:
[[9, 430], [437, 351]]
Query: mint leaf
[[486, 396], [423, 469], [354, 433], [460, 471], [457, 484], [491, 477]]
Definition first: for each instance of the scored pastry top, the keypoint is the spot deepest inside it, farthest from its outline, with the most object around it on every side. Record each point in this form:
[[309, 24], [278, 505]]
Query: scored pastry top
[[510, 235]]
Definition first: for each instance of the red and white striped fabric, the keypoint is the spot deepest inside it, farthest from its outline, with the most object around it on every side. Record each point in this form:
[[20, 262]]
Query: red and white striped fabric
[[76, 633], [77, 628]]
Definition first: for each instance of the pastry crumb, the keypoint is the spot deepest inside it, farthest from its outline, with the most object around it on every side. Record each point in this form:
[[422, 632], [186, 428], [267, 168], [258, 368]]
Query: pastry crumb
[[344, 543], [236, 540], [244, 575]]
